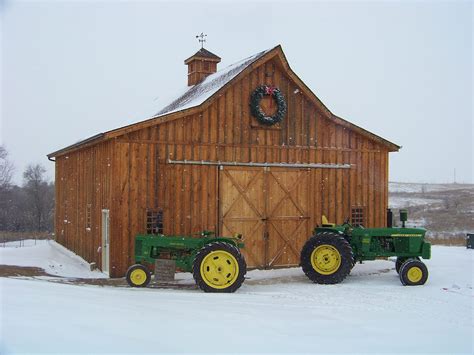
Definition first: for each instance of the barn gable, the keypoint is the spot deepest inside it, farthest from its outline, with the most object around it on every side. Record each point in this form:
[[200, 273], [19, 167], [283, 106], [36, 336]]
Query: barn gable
[[200, 96]]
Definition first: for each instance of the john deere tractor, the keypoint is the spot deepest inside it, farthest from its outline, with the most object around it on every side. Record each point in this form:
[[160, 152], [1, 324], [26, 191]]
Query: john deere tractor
[[216, 262], [333, 250]]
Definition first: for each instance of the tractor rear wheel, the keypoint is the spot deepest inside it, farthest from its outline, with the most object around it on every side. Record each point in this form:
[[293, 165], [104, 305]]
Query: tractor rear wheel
[[413, 273], [138, 276], [327, 258], [354, 261], [219, 267]]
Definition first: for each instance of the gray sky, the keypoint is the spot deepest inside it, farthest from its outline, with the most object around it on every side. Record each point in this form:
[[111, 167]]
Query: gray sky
[[400, 69]]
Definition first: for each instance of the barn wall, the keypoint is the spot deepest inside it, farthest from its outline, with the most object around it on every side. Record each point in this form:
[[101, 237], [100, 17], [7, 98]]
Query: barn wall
[[226, 131], [83, 189], [143, 181]]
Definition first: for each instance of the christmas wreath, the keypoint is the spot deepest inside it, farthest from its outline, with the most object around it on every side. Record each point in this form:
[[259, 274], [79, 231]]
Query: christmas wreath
[[256, 110]]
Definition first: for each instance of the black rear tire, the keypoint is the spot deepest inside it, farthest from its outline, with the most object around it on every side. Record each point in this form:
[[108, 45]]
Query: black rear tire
[[327, 258], [219, 267]]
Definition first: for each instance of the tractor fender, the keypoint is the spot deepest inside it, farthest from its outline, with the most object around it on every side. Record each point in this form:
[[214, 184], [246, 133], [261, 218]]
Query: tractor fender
[[327, 229], [235, 242]]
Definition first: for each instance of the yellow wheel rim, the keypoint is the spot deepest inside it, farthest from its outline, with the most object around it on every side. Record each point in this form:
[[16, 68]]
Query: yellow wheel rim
[[138, 277], [219, 269], [325, 259], [414, 274]]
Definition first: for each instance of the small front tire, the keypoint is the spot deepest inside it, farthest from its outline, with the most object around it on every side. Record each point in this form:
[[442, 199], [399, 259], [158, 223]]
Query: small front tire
[[138, 276], [413, 273], [399, 263]]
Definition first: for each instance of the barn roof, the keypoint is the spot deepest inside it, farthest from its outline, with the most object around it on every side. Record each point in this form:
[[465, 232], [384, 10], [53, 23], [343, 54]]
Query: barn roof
[[202, 93], [199, 93]]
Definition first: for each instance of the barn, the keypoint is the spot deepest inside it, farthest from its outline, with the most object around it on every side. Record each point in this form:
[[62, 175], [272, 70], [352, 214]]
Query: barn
[[247, 149]]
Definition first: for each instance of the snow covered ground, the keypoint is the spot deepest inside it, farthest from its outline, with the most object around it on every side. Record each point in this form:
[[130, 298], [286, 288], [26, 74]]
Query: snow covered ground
[[48, 255], [275, 311]]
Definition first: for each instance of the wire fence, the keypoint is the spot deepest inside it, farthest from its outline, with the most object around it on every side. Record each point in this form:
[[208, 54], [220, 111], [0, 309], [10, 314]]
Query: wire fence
[[20, 239]]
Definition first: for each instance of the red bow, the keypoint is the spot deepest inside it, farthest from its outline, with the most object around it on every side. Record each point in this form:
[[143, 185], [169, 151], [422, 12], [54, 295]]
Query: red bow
[[269, 90]]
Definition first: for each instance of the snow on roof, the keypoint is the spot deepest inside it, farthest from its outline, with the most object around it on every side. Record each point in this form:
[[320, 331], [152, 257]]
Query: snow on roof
[[197, 94]]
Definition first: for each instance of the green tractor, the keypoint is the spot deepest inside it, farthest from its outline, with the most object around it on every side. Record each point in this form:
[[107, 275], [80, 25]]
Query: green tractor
[[216, 262], [333, 250]]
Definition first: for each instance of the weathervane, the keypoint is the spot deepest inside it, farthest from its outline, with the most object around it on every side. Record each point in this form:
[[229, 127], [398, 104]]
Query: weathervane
[[202, 39]]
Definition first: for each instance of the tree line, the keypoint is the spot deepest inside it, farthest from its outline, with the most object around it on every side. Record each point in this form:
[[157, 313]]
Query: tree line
[[30, 206]]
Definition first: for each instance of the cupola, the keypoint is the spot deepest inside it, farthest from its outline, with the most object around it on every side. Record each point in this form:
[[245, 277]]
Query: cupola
[[200, 65]]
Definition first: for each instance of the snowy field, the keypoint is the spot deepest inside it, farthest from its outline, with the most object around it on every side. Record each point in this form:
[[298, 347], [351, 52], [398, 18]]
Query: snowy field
[[410, 187], [402, 195], [275, 311], [445, 210], [404, 201]]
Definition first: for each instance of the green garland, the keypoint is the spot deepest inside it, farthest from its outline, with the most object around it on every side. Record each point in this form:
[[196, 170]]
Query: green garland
[[257, 112]]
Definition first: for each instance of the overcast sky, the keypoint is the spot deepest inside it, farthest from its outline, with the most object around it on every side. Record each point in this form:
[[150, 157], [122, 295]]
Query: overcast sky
[[400, 69]]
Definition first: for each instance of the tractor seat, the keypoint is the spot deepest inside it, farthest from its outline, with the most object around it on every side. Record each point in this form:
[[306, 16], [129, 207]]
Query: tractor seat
[[326, 223]]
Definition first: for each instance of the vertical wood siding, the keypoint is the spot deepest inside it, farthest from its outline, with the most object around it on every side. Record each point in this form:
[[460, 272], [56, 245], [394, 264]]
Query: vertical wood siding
[[83, 178]]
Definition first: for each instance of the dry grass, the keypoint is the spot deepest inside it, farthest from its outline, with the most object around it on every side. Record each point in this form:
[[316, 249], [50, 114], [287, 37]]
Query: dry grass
[[447, 220], [454, 241], [15, 271], [6, 237]]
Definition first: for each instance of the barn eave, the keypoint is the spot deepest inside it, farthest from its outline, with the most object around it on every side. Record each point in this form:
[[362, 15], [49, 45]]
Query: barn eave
[[78, 145]]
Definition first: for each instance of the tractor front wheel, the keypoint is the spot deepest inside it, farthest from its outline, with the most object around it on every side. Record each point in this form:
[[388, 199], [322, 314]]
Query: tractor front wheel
[[327, 258], [138, 276], [413, 273], [219, 267], [399, 263]]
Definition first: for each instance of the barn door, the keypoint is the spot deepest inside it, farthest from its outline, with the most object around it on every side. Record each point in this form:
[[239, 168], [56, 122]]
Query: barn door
[[269, 207], [288, 195], [242, 209]]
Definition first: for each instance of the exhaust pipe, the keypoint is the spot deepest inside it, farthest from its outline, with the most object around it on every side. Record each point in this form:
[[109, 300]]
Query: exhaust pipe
[[389, 218]]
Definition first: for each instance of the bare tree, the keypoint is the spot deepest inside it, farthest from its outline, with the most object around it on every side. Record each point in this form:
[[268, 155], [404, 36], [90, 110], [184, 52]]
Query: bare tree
[[6, 191], [39, 197], [6, 168]]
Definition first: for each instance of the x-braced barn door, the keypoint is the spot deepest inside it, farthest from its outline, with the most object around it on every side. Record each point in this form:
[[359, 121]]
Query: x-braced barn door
[[270, 208]]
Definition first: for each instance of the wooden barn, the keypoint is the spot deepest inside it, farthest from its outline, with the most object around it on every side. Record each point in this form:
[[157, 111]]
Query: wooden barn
[[247, 149]]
